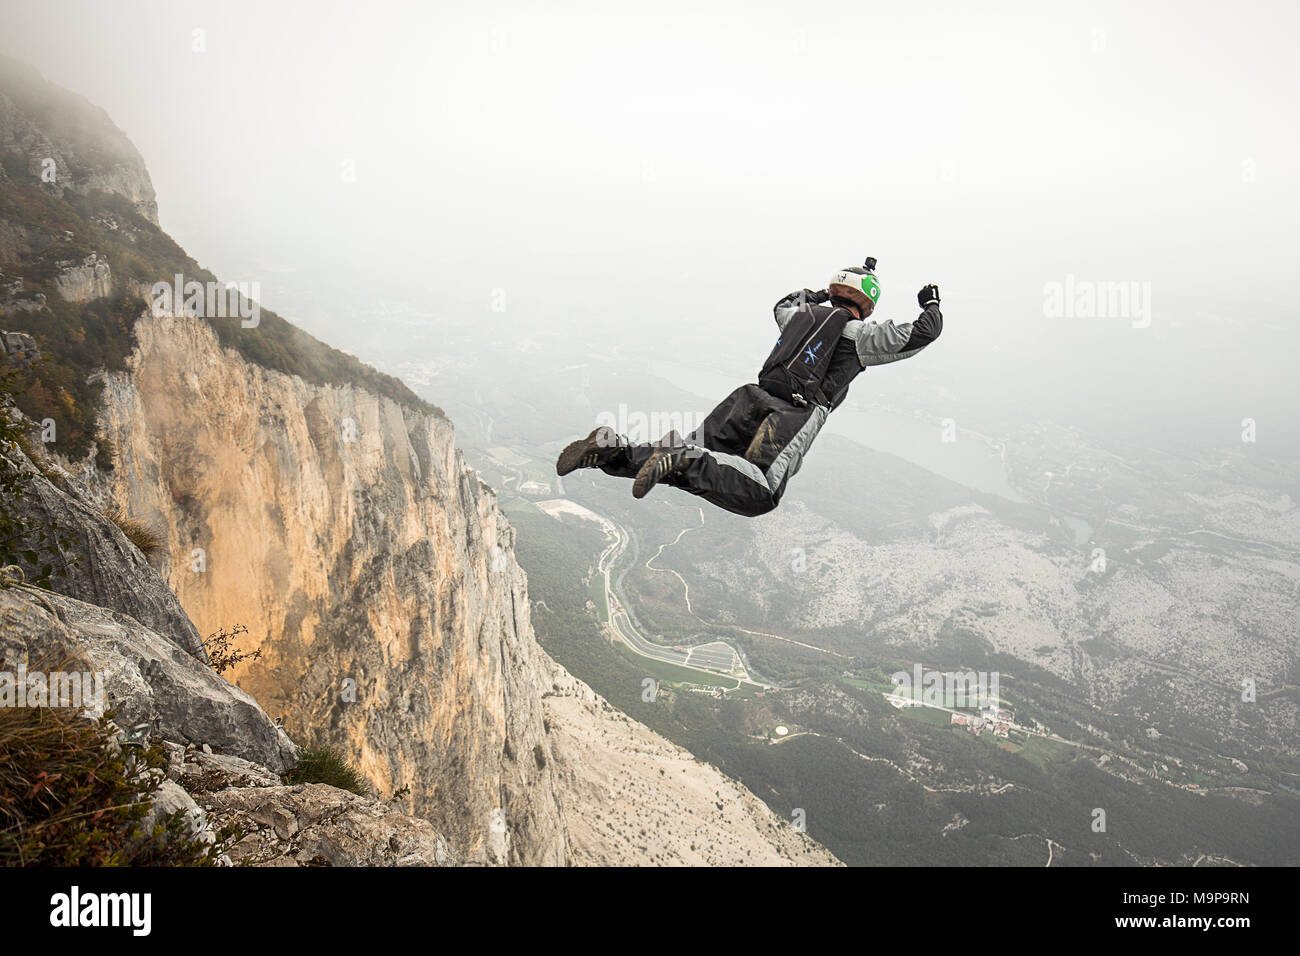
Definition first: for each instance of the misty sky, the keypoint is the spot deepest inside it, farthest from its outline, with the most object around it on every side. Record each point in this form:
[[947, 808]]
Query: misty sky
[[612, 172]]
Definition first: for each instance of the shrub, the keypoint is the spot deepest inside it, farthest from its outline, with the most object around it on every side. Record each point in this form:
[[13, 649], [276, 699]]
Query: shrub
[[105, 454], [222, 655], [140, 533], [326, 765], [24, 540], [71, 795]]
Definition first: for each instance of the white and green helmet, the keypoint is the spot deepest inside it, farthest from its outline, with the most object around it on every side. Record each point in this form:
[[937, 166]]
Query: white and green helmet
[[858, 284]]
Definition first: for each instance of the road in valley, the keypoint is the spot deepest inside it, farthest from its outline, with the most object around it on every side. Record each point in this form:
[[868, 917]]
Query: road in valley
[[712, 659]]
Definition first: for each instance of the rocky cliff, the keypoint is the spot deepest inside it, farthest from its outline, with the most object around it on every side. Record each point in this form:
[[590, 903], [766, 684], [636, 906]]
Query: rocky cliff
[[377, 576], [371, 567], [53, 136], [373, 570]]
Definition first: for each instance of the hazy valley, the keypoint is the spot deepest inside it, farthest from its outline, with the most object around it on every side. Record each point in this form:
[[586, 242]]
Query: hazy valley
[[1129, 601]]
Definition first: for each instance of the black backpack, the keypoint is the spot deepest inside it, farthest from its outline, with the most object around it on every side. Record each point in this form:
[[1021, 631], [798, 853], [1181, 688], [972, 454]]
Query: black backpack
[[799, 360]]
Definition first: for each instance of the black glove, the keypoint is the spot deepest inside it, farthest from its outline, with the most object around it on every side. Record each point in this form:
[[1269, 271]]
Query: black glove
[[815, 298], [929, 295]]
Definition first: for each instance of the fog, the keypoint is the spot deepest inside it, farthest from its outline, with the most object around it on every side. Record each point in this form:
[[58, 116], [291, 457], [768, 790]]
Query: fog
[[653, 180]]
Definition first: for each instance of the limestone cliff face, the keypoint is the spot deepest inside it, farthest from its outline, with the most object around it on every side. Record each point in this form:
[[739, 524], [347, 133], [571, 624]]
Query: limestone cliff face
[[376, 575], [372, 569], [92, 278]]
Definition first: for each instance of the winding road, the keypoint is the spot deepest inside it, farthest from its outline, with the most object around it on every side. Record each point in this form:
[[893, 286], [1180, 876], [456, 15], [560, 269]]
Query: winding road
[[714, 659]]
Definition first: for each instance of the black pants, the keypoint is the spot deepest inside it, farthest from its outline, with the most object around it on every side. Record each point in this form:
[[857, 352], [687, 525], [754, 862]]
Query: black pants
[[742, 455]]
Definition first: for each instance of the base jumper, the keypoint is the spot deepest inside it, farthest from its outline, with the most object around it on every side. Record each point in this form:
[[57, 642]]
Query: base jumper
[[744, 453]]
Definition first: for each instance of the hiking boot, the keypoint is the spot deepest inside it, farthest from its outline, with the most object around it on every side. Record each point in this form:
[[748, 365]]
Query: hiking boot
[[669, 458], [598, 448]]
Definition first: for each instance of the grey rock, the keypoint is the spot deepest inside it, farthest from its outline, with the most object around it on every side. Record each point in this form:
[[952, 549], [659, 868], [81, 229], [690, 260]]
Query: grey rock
[[90, 279], [19, 349], [317, 825], [195, 770], [42, 122], [170, 798], [147, 679], [100, 565]]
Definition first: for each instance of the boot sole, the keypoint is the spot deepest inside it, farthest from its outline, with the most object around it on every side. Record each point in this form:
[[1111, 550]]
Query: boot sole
[[646, 477], [574, 452]]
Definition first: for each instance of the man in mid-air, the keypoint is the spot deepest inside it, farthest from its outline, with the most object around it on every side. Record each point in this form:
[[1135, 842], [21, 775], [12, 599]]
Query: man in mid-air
[[747, 449]]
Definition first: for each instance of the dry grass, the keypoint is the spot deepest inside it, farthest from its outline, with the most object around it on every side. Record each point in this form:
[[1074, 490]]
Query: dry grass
[[70, 796], [140, 533]]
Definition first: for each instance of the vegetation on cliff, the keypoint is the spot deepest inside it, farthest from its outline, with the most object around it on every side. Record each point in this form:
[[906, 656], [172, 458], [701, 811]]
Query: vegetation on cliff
[[24, 540], [327, 765], [71, 794], [78, 339]]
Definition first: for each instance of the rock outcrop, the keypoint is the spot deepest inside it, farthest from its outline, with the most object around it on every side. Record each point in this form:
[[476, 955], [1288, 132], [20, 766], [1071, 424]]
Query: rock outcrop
[[96, 563], [148, 680], [18, 350], [307, 824], [84, 281], [315, 825], [75, 146]]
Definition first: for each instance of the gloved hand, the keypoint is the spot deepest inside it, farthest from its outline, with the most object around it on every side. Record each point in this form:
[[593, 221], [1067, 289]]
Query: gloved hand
[[929, 295], [815, 298]]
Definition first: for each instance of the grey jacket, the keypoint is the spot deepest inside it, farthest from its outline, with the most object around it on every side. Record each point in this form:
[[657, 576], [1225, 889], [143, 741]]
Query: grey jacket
[[876, 343]]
